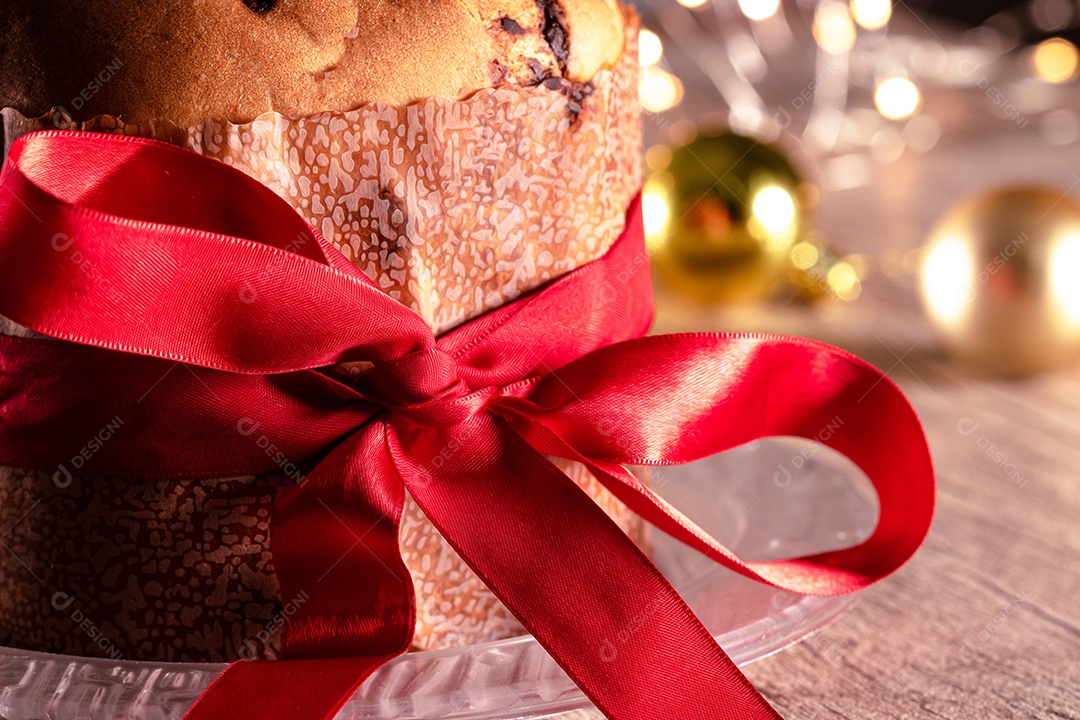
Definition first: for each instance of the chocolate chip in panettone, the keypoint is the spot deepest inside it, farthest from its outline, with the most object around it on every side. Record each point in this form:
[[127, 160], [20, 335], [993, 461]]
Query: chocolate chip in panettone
[[261, 6], [539, 71], [512, 26], [554, 30]]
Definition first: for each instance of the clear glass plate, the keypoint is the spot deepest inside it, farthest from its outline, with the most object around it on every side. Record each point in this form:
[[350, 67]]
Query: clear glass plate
[[773, 499]]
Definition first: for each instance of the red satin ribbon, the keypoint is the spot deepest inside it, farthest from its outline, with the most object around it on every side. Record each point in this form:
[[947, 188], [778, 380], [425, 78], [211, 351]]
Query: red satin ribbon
[[202, 310]]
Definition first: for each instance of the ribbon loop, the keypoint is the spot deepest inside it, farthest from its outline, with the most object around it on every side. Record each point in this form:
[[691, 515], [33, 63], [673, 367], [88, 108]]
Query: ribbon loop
[[145, 269]]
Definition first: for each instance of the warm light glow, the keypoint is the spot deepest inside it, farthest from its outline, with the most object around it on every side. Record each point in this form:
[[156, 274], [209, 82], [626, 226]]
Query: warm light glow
[[872, 14], [650, 49], [774, 208], [844, 281], [805, 255], [833, 28], [859, 263], [897, 98], [759, 9], [655, 215], [659, 90], [946, 280], [1064, 269], [692, 3], [658, 157], [1055, 60]]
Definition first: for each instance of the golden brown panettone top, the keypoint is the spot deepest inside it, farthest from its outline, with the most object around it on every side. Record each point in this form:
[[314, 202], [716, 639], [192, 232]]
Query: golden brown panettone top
[[235, 59]]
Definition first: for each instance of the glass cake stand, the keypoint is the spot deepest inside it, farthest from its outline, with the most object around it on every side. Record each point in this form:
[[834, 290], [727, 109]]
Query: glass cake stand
[[772, 499]]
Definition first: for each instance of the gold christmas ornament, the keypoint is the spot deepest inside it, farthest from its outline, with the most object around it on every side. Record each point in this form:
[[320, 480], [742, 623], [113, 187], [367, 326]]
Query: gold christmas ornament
[[732, 209], [1000, 278]]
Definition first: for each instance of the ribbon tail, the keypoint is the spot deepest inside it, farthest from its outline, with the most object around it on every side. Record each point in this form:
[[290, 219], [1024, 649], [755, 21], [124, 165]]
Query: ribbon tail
[[283, 689], [732, 390], [600, 608], [348, 597], [334, 539]]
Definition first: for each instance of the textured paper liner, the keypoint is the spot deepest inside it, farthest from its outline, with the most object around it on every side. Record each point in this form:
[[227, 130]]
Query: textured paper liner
[[454, 207]]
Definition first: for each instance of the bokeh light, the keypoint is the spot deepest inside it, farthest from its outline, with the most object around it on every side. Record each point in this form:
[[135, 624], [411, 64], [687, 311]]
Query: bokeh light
[[650, 48], [659, 90], [655, 213], [658, 157], [834, 29], [872, 14], [692, 3], [774, 209], [1055, 60], [843, 280], [897, 98], [656, 209], [1051, 15], [946, 270], [805, 255], [1064, 289], [759, 9]]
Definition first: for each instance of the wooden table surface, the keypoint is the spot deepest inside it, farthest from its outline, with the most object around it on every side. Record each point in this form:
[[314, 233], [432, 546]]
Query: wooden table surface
[[985, 620]]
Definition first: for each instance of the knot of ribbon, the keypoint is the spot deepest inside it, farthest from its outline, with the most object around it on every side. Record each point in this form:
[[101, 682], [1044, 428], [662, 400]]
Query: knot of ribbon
[[198, 306], [423, 388]]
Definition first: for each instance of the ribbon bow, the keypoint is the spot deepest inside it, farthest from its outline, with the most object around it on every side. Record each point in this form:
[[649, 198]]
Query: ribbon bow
[[201, 306]]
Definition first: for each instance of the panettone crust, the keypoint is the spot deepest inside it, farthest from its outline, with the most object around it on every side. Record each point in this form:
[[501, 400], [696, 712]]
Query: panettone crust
[[235, 59]]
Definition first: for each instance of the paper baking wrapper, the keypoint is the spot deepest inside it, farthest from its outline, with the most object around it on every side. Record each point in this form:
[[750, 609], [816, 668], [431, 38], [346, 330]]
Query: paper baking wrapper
[[454, 208]]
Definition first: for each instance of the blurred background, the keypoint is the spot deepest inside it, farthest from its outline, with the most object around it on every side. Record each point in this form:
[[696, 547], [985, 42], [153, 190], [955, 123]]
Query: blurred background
[[896, 177]]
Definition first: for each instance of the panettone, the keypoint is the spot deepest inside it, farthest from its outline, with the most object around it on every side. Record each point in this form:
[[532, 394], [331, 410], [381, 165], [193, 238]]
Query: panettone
[[460, 154]]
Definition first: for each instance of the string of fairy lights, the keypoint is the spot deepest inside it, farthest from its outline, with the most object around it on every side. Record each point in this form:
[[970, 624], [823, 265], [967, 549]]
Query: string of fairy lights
[[835, 28], [859, 98]]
